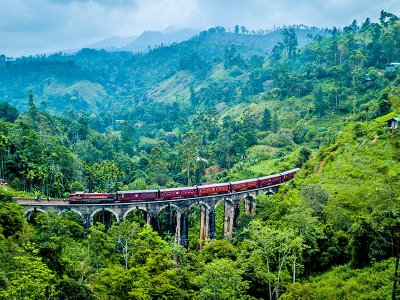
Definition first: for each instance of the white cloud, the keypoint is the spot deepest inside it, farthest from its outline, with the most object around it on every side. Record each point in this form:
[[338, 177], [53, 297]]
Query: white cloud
[[28, 27]]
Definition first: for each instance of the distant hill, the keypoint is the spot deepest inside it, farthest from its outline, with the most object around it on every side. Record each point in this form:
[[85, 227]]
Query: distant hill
[[100, 80], [145, 41], [113, 43], [150, 39], [250, 44]]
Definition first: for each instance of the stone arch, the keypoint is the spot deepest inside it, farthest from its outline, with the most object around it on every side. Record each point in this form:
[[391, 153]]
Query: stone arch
[[167, 205], [30, 210], [269, 191], [219, 219], [73, 210], [246, 196], [168, 218], [201, 212], [223, 201], [219, 203], [106, 209], [132, 209], [201, 203]]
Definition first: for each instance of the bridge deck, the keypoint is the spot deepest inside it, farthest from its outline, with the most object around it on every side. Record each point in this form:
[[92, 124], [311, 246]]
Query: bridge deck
[[62, 202]]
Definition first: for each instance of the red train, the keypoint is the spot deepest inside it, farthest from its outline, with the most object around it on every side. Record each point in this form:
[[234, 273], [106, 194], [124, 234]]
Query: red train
[[182, 192], [82, 197]]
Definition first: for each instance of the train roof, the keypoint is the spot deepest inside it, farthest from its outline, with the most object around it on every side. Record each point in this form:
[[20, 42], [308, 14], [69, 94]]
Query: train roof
[[243, 181], [290, 171], [137, 191], [84, 193], [178, 189], [213, 185], [269, 176]]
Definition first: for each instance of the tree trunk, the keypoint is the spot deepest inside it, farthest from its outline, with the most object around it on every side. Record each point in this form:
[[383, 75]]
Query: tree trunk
[[269, 282], [395, 274], [294, 270], [126, 258], [188, 174]]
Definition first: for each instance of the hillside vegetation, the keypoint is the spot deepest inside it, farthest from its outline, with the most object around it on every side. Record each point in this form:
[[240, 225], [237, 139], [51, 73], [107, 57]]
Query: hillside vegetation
[[214, 108]]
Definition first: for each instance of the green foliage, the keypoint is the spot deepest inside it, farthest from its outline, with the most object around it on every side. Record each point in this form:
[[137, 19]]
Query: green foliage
[[76, 186], [188, 152], [267, 122], [270, 254], [70, 289], [11, 218], [319, 102], [346, 283], [31, 279], [213, 108], [221, 280], [289, 40], [102, 177], [315, 197], [8, 113], [219, 249]]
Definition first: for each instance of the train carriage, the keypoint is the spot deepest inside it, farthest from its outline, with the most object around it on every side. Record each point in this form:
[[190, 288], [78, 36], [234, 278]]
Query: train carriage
[[183, 192], [286, 176], [139, 195], [244, 184], [269, 180], [76, 196], [209, 189], [85, 198]]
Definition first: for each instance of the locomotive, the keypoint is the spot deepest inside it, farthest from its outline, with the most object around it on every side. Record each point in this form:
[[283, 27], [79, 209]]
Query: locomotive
[[182, 192]]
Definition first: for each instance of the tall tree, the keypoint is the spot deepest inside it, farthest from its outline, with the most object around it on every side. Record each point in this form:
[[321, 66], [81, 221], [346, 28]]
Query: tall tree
[[319, 102], [188, 152], [267, 119], [290, 40], [8, 113], [275, 123]]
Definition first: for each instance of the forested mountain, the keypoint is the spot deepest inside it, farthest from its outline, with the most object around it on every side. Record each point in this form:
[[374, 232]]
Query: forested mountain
[[96, 80], [224, 106], [147, 40]]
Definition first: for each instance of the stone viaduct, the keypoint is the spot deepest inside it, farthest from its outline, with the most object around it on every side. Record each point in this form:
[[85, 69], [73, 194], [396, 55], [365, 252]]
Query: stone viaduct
[[208, 205]]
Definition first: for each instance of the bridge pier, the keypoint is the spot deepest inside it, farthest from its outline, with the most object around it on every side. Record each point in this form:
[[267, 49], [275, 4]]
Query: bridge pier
[[211, 228], [236, 213], [207, 224], [152, 219], [183, 229], [247, 205], [204, 224], [250, 205], [229, 216], [87, 221], [253, 206]]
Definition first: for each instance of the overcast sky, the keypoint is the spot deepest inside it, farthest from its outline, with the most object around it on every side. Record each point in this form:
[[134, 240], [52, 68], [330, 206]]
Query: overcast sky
[[42, 26]]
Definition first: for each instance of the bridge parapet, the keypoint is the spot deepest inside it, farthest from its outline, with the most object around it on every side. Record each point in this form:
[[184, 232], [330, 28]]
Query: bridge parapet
[[208, 205]]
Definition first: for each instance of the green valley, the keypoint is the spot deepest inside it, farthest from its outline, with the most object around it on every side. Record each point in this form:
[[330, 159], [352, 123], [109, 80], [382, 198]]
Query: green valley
[[219, 107]]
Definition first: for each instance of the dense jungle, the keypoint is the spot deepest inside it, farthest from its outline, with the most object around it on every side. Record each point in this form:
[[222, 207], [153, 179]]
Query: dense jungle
[[221, 106]]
